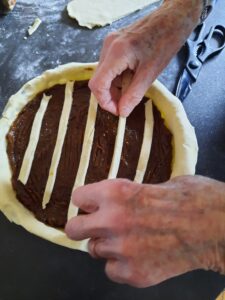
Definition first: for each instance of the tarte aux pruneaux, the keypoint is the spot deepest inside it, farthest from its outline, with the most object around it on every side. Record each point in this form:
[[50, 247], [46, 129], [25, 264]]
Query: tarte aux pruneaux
[[54, 137]]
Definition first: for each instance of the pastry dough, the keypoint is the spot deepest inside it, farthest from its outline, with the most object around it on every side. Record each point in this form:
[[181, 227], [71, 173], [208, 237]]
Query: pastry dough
[[91, 13], [184, 141], [86, 151], [34, 137], [221, 296], [59, 142], [117, 149], [34, 27], [147, 143]]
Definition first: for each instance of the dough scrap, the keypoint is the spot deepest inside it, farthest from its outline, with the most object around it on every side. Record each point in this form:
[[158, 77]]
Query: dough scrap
[[34, 26], [91, 13], [184, 140]]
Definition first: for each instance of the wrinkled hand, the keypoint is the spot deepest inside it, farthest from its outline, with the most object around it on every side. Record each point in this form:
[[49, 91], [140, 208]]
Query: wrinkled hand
[[144, 48], [150, 233]]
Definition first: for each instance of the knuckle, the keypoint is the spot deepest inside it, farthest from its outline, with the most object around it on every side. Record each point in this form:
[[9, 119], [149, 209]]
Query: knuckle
[[119, 47], [124, 187], [104, 104], [99, 92], [124, 274], [116, 223], [92, 248], [109, 40], [148, 194], [92, 84], [77, 195], [114, 269], [95, 84], [110, 37], [137, 278], [110, 270], [108, 185]]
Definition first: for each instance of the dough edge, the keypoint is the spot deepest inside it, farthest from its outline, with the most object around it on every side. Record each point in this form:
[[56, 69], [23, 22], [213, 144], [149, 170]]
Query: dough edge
[[184, 139]]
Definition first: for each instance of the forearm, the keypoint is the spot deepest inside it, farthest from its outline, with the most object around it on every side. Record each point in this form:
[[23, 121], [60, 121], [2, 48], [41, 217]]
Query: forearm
[[186, 8], [194, 5], [166, 28], [173, 22], [184, 15]]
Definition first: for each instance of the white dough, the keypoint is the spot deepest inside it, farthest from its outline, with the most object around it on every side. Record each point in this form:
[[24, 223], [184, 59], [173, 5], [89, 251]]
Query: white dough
[[117, 149], [33, 141], [146, 144], [63, 124], [34, 27], [86, 152], [91, 13]]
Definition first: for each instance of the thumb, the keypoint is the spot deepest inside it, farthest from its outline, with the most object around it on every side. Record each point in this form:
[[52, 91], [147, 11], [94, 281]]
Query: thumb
[[135, 92]]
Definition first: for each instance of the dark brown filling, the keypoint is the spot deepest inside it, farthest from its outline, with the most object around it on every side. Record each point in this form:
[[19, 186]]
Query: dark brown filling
[[31, 195]]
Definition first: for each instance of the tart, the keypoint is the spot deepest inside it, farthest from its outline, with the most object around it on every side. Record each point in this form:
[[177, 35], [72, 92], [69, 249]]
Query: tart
[[54, 138]]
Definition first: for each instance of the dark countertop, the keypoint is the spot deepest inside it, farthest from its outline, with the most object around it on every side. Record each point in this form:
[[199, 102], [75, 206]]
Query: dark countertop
[[31, 268]]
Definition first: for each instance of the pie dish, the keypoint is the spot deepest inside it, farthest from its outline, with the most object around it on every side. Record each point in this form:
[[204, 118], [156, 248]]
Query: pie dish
[[54, 137]]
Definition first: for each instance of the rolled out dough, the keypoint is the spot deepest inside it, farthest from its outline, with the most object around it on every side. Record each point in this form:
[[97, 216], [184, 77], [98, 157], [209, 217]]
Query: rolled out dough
[[91, 13]]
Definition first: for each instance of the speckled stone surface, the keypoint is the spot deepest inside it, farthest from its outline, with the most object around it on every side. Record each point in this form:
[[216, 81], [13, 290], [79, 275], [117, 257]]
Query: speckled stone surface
[[31, 268]]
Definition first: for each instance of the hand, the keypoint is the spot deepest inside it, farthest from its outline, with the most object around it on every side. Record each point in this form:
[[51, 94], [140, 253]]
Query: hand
[[144, 48], [150, 233]]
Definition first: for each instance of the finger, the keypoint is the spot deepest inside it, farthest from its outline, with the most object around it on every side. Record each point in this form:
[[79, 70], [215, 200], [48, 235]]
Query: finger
[[103, 94], [94, 194], [83, 199], [116, 89], [103, 248], [135, 92], [83, 227], [101, 82], [87, 196], [92, 248], [117, 270], [127, 77], [115, 93], [88, 208], [120, 84]]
